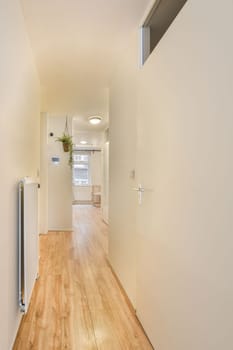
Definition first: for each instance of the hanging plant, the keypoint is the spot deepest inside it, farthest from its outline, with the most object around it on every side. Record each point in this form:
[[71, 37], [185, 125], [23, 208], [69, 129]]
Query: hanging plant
[[66, 140], [67, 143]]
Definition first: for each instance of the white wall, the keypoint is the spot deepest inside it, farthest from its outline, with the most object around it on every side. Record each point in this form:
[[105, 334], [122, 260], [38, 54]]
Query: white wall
[[187, 84], [105, 182], [122, 207], [96, 168], [43, 173], [59, 178], [19, 125]]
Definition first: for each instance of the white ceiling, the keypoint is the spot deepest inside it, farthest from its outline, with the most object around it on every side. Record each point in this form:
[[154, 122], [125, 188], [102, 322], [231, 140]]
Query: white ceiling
[[75, 42], [93, 138], [81, 123]]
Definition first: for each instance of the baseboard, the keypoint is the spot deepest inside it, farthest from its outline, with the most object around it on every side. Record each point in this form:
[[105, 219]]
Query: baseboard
[[61, 230], [16, 332], [22, 314], [128, 301]]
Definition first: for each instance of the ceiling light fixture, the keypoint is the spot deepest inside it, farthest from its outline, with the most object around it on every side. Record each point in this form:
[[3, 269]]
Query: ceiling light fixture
[[95, 120], [83, 142]]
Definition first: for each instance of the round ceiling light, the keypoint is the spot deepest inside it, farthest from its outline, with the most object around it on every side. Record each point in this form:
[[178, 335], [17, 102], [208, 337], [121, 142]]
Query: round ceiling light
[[95, 120], [83, 142]]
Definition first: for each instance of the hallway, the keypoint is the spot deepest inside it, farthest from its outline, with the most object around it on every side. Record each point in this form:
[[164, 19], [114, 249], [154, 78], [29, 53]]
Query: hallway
[[161, 145], [77, 303]]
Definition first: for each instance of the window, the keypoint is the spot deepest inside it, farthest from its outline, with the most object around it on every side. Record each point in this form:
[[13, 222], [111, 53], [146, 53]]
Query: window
[[81, 169], [158, 21]]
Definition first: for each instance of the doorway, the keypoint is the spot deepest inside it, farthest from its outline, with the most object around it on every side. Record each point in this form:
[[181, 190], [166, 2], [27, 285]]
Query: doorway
[[90, 166]]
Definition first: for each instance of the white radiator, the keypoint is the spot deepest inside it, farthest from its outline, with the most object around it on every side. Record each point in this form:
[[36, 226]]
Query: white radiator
[[28, 240]]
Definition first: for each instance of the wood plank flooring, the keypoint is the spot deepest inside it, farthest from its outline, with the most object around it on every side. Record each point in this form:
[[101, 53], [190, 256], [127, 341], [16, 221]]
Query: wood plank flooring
[[77, 303]]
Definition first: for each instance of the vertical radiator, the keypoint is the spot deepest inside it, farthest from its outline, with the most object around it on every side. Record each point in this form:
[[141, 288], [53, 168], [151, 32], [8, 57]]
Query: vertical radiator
[[28, 239]]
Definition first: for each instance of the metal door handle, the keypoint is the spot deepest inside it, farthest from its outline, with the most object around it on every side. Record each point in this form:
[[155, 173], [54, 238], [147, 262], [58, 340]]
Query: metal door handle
[[140, 191]]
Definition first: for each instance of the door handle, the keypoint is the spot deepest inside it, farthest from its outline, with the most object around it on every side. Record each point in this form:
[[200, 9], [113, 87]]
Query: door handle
[[140, 191]]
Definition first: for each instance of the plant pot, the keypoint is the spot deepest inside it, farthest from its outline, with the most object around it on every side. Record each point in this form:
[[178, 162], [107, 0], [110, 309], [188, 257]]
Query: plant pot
[[66, 146]]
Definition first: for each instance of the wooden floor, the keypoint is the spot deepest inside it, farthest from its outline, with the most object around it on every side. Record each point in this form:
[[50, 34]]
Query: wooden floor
[[77, 303]]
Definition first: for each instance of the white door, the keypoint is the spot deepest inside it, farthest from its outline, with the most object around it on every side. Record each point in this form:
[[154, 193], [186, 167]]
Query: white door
[[149, 264], [185, 127], [158, 268]]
